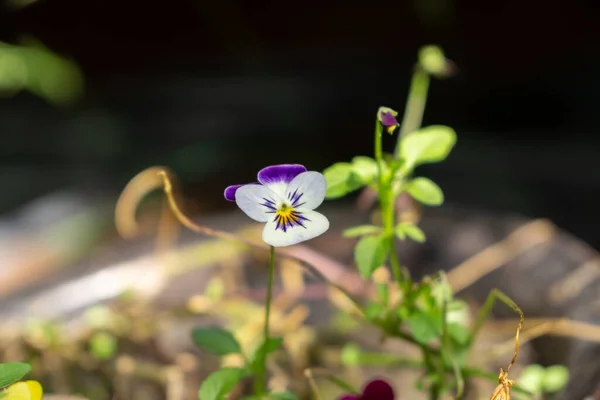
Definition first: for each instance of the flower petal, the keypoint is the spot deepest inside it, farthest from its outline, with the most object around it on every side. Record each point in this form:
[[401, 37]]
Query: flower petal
[[307, 190], [277, 177], [378, 389], [257, 201], [230, 192], [310, 225]]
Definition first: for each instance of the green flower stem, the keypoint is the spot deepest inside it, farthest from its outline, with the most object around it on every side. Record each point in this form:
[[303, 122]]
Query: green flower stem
[[261, 380], [415, 105], [386, 203], [379, 152]]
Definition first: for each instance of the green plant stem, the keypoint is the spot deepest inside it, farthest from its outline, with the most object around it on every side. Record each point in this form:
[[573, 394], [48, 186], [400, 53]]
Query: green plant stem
[[379, 152], [386, 203], [415, 105], [261, 380]]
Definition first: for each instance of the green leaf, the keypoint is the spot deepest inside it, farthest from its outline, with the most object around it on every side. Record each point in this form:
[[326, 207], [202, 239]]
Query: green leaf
[[216, 340], [424, 327], [458, 333], [373, 310], [365, 168], [266, 348], [426, 191], [412, 231], [370, 253], [12, 371], [428, 145], [341, 180], [531, 379], [218, 384], [283, 396], [555, 378], [103, 345], [350, 355], [361, 230]]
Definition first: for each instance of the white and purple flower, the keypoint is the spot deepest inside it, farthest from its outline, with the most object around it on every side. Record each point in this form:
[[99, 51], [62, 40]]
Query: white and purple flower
[[285, 198]]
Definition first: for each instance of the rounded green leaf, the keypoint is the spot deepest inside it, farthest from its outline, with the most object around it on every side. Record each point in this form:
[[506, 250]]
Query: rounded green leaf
[[458, 333], [412, 231], [370, 253], [341, 180], [350, 355], [11, 372], [216, 340], [426, 191], [555, 378], [433, 61], [218, 384], [365, 168], [531, 379], [424, 327], [103, 345], [361, 230], [428, 145]]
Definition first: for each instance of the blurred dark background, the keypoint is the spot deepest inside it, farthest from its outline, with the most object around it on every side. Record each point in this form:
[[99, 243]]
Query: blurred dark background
[[218, 89]]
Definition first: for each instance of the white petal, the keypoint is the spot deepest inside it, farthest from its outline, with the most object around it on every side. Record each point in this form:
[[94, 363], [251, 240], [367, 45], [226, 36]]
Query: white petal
[[315, 225], [254, 201], [311, 186]]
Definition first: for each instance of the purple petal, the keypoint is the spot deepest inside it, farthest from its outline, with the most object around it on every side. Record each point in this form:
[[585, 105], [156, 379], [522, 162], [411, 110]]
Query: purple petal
[[230, 192], [388, 119], [378, 389], [280, 173]]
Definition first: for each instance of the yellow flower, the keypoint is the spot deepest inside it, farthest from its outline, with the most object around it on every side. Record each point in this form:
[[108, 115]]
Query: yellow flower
[[24, 390]]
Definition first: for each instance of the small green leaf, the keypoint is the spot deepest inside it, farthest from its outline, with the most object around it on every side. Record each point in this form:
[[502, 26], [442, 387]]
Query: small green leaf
[[428, 145], [433, 61], [103, 345], [341, 180], [555, 378], [12, 371], [373, 310], [424, 327], [361, 230], [457, 311], [412, 231], [283, 396], [426, 191], [458, 333], [365, 169], [531, 379], [266, 348], [370, 253], [350, 355], [216, 340], [218, 384]]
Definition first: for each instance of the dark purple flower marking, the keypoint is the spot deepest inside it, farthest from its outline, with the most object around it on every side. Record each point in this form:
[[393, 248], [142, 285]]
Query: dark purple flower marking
[[286, 217], [295, 198], [377, 389], [280, 173]]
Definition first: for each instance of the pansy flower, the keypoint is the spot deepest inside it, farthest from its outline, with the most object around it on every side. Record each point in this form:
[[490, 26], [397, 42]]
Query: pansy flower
[[377, 389], [285, 198], [387, 117]]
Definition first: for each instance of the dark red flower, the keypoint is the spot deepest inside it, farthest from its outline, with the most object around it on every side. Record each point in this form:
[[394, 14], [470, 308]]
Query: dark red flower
[[377, 389]]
